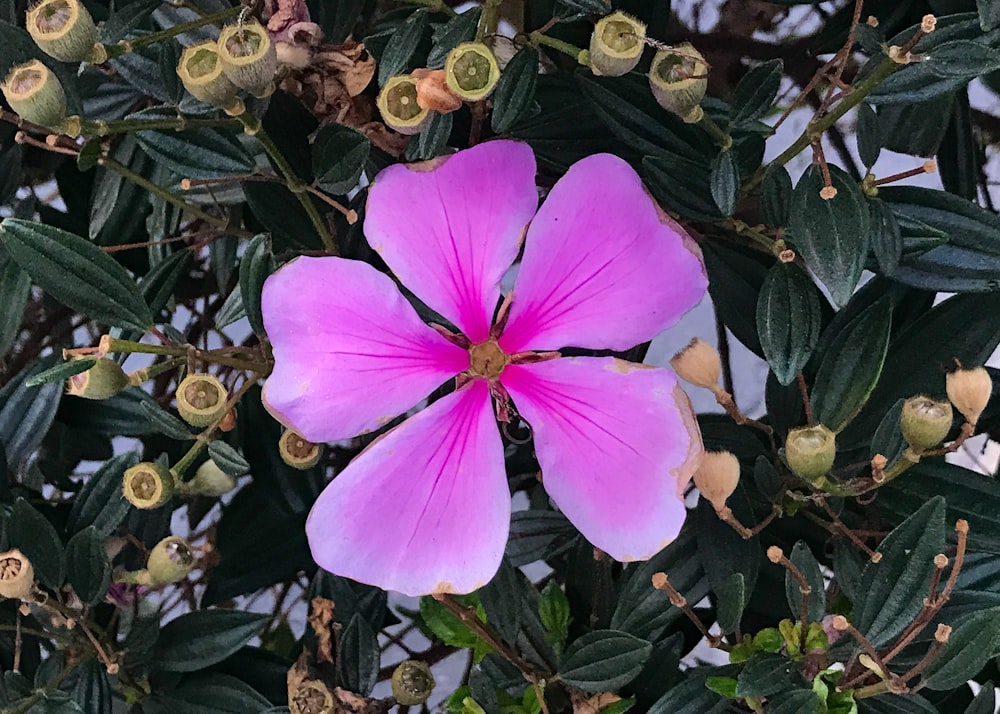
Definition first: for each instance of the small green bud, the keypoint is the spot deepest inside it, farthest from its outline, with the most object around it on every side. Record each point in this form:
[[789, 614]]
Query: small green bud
[[36, 94], [311, 697], [616, 44], [201, 74], [471, 71], [209, 480], [148, 485], [170, 561], [201, 399], [63, 29], [810, 452], [925, 422], [297, 452], [678, 78], [412, 683], [102, 381], [397, 102], [248, 57], [17, 576]]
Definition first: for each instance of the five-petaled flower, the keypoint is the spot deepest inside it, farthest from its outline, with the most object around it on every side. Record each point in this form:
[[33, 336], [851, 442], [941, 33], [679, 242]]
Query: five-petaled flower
[[426, 507]]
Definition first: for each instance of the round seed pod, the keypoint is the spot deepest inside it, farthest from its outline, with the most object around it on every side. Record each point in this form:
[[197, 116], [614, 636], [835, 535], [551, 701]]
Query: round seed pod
[[616, 44], [810, 452], [102, 381], [311, 697], [36, 94], [471, 71], [970, 390], [925, 422], [698, 364], [209, 480], [678, 78], [201, 74], [412, 683], [399, 107], [170, 561], [148, 485], [297, 452], [248, 57], [64, 29], [17, 576], [717, 477], [201, 399]]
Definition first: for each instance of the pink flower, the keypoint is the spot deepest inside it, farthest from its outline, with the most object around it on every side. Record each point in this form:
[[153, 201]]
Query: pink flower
[[426, 507]]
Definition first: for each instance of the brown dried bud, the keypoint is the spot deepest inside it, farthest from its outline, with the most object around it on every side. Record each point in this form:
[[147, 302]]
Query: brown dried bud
[[311, 697], [970, 390], [925, 422], [433, 92], [17, 576], [412, 683], [698, 364], [298, 452], [717, 476]]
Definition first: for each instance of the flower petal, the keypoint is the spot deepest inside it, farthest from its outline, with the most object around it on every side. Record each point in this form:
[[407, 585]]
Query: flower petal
[[350, 352], [450, 228], [603, 267], [617, 443], [425, 508]]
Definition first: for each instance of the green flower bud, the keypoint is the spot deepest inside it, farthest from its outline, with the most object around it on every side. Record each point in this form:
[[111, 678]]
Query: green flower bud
[[102, 381], [970, 390], [925, 422], [679, 78], [297, 452], [810, 451], [209, 480], [148, 485], [201, 399], [36, 94], [170, 561], [248, 57], [311, 697], [412, 683], [616, 44], [201, 73], [471, 71], [398, 105], [17, 576], [63, 29]]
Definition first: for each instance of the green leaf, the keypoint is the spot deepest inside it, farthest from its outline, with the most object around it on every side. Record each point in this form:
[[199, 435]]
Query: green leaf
[[985, 702], [358, 656], [800, 701], [158, 285], [789, 320], [165, 422], [888, 439], [776, 195], [445, 626], [989, 14], [201, 638], [505, 599], [886, 238], [255, 266], [100, 502], [690, 696], [755, 92], [724, 182], [604, 660], [15, 288], [197, 153], [868, 135], [87, 566], [339, 154], [970, 646], [31, 533], [803, 559], [26, 413], [722, 550], [395, 58], [732, 599], [212, 693], [554, 612], [232, 309], [515, 92], [76, 272], [683, 185], [432, 140], [766, 674], [461, 28], [92, 690], [895, 587], [537, 535], [832, 235], [60, 373], [851, 366], [227, 458]]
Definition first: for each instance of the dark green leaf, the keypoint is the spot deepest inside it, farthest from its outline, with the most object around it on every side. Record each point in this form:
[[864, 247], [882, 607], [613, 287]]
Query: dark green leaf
[[724, 182], [31, 533], [732, 598], [960, 157], [588, 7], [604, 660], [126, 18], [851, 366], [255, 266], [755, 92], [536, 535], [76, 272], [395, 59], [432, 140], [358, 656], [227, 458], [965, 653], [985, 702], [212, 693], [92, 690], [735, 278], [197, 153], [989, 14], [515, 91], [446, 626], [461, 28], [690, 696], [87, 566], [894, 588], [869, 135], [158, 285], [776, 195], [803, 559], [504, 600], [896, 704], [832, 235], [100, 502], [886, 238], [721, 550], [800, 701], [683, 185], [888, 439], [554, 611], [339, 154], [26, 413], [15, 287], [60, 373], [789, 320], [165, 422], [232, 309], [768, 674], [916, 128], [201, 638]]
